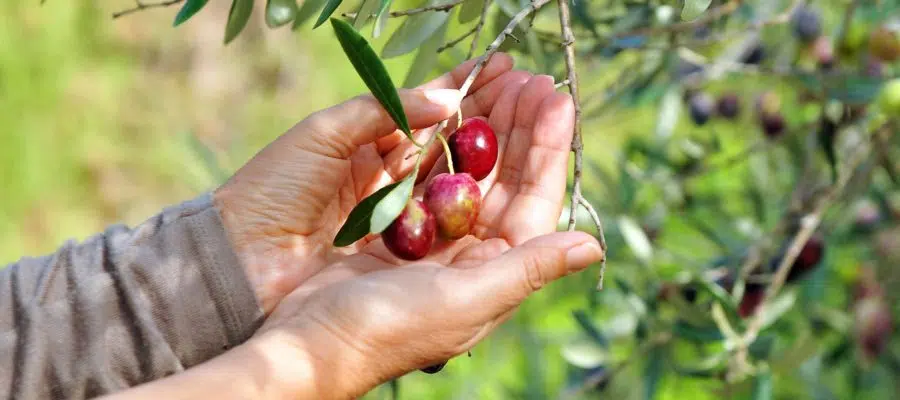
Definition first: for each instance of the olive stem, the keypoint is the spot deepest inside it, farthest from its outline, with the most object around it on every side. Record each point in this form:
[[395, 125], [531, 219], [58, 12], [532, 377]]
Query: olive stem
[[446, 152]]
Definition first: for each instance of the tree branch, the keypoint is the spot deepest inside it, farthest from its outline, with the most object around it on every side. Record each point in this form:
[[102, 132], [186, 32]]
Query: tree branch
[[446, 7], [140, 5], [456, 41], [568, 40], [478, 28]]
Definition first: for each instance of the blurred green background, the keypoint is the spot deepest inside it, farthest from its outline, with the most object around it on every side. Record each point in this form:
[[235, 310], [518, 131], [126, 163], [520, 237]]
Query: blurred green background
[[109, 120]]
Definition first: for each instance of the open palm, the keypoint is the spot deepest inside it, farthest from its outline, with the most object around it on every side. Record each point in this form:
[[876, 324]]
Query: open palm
[[284, 207]]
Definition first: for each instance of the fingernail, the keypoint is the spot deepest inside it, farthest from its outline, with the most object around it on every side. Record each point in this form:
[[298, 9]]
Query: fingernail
[[448, 98], [579, 257]]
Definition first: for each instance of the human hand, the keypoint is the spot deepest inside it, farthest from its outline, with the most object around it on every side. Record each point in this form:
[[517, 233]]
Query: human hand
[[283, 209], [353, 335]]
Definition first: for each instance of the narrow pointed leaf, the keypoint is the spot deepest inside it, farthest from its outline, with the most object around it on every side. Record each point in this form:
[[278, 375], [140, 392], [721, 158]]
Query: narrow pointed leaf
[[694, 8], [237, 18], [653, 372], [358, 223], [589, 328], [372, 71], [470, 10], [414, 31], [188, 10], [327, 11], [307, 10], [762, 387], [388, 208], [382, 18], [280, 12], [426, 58], [366, 10], [827, 134]]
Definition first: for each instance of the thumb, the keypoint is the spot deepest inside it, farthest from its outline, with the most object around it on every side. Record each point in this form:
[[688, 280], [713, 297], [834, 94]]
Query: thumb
[[338, 131], [503, 283]]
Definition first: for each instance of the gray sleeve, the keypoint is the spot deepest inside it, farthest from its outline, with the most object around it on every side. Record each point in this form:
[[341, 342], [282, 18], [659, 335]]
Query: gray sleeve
[[123, 307]]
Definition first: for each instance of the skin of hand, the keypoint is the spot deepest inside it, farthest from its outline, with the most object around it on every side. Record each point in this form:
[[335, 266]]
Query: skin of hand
[[357, 317], [284, 207]]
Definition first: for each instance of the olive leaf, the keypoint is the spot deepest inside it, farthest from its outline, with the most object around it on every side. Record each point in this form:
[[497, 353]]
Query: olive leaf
[[470, 10], [307, 10], [237, 18], [762, 387], [415, 30], [587, 325], [280, 12], [381, 18], [389, 207], [327, 11], [426, 58], [694, 8], [359, 222], [187, 11], [372, 71], [367, 8]]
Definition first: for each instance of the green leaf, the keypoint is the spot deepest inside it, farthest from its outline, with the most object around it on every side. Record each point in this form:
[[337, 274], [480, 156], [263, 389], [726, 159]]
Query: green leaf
[[367, 9], [778, 307], [327, 11], [720, 296], [470, 10], [636, 239], [762, 387], [694, 8], [826, 135], [188, 10], [392, 204], [669, 108], [415, 30], [206, 155], [653, 373], [382, 18], [358, 223], [693, 333], [280, 12], [587, 325], [426, 58], [584, 353], [237, 18], [307, 10], [372, 71]]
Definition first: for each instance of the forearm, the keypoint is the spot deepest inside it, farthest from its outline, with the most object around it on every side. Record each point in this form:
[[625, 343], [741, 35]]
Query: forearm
[[123, 307], [266, 367]]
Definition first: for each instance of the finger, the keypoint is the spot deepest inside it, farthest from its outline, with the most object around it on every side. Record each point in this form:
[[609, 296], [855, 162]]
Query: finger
[[497, 65], [518, 141], [338, 131], [501, 284], [542, 185]]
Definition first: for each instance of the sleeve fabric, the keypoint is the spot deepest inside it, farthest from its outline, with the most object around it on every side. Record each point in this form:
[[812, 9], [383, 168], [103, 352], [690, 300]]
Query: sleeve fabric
[[124, 307]]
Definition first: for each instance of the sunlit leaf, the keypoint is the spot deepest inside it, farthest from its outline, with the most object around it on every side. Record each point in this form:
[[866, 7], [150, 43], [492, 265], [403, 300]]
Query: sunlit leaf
[[280, 12], [587, 325], [669, 109], [762, 387], [694, 8], [584, 353], [188, 10], [470, 10], [426, 58], [358, 223], [372, 71], [636, 238], [778, 307], [308, 9], [237, 18], [416, 29], [366, 10], [381, 18], [329, 9], [392, 204]]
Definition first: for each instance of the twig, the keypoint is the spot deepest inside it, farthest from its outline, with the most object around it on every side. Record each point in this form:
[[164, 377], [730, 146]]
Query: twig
[[564, 82], [456, 41], [140, 5], [413, 11], [568, 40], [479, 27], [710, 16], [809, 224]]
